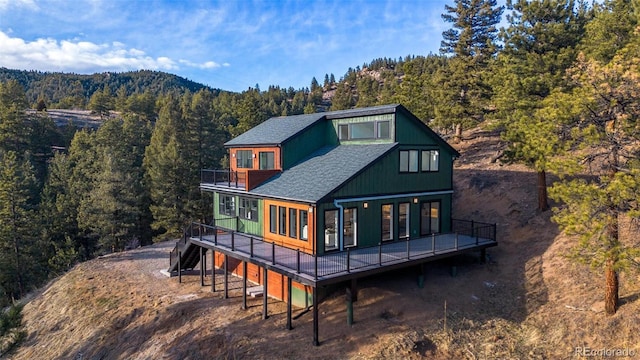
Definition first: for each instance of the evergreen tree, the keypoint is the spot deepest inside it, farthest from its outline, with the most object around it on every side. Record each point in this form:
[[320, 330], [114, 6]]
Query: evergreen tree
[[607, 141], [610, 30], [463, 91], [13, 132], [101, 102], [17, 227], [539, 45]]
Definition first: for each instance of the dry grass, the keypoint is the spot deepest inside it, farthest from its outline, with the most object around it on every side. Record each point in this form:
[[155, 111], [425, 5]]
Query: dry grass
[[527, 302]]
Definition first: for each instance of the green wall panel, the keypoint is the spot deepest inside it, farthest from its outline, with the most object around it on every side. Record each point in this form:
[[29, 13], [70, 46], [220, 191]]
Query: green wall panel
[[310, 140]]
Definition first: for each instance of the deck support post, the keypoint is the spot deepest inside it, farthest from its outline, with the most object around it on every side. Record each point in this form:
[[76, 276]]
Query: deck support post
[[244, 285], [289, 325], [202, 269], [483, 256], [349, 306], [226, 276], [204, 258], [180, 267], [421, 277], [315, 317], [213, 271], [265, 294], [354, 289]]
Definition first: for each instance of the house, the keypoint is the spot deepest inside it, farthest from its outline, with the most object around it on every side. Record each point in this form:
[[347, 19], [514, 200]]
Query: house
[[321, 199]]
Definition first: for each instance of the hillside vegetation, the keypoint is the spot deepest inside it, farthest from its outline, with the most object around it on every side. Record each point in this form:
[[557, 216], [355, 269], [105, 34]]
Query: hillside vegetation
[[526, 302]]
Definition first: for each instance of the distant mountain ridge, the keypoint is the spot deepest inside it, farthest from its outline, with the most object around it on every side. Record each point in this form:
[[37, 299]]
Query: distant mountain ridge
[[54, 87]]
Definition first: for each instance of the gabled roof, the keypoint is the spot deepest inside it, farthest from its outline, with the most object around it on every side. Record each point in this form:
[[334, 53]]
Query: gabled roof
[[277, 130], [322, 172]]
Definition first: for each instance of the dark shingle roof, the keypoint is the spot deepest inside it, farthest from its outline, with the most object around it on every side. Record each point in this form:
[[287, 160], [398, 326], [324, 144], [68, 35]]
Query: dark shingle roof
[[322, 172], [277, 130]]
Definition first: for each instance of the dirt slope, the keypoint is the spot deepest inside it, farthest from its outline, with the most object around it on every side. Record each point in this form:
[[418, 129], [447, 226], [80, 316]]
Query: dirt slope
[[527, 302]]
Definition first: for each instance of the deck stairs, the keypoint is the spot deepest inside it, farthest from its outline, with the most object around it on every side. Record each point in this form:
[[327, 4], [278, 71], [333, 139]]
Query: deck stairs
[[189, 256]]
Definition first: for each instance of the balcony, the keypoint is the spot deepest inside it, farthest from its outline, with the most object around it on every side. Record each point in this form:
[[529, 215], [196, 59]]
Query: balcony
[[231, 179]]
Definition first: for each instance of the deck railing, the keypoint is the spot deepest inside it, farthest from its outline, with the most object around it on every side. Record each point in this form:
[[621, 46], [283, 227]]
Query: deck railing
[[226, 177], [468, 235]]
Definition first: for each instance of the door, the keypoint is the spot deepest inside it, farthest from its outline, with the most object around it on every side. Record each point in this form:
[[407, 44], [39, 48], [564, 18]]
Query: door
[[430, 218]]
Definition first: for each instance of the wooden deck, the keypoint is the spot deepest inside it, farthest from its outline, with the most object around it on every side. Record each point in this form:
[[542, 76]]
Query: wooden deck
[[335, 267]]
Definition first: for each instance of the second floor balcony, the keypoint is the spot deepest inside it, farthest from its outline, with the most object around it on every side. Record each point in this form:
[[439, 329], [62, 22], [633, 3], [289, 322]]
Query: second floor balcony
[[231, 179]]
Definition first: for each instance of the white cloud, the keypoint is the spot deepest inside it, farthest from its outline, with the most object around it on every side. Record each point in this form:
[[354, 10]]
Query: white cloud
[[30, 4], [204, 65], [76, 56]]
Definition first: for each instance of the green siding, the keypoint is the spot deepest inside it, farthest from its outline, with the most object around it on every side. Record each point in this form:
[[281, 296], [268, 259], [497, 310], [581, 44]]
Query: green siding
[[384, 177], [311, 139], [243, 225], [411, 132], [369, 220]]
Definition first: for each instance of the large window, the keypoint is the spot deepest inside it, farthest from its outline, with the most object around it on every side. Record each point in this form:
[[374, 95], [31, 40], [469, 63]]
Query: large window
[[430, 159], [331, 229], [293, 223], [350, 227], [430, 218], [267, 160], [403, 221], [282, 216], [248, 209], [273, 219], [364, 130], [387, 222], [227, 205], [304, 225], [244, 159], [408, 160]]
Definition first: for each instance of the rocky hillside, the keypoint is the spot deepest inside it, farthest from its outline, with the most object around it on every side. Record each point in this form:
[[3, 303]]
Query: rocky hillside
[[527, 302]]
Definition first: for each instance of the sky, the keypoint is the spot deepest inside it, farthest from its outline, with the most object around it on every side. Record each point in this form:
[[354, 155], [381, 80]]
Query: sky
[[230, 45]]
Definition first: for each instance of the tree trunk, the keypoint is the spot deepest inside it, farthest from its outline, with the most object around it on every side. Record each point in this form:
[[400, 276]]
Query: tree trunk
[[543, 199], [611, 290], [457, 136]]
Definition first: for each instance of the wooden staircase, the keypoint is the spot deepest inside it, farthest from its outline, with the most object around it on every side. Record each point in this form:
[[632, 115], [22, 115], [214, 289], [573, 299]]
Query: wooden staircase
[[185, 256]]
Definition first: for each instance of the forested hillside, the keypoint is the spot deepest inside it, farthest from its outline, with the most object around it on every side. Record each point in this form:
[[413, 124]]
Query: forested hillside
[[560, 83]]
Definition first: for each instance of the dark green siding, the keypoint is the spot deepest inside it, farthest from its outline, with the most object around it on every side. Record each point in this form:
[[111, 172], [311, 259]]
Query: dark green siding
[[311, 139], [369, 226], [409, 131], [384, 177]]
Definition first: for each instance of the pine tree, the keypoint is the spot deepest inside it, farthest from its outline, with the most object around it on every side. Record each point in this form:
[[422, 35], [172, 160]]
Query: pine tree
[[13, 103], [610, 30], [17, 227], [607, 138], [463, 93]]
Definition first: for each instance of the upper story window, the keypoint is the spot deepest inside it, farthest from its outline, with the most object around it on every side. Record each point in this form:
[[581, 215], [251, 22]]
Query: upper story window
[[244, 159], [248, 209], [430, 160], [266, 160], [227, 205], [364, 130]]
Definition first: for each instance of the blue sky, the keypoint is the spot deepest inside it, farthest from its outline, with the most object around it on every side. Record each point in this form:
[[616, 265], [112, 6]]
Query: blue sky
[[230, 44]]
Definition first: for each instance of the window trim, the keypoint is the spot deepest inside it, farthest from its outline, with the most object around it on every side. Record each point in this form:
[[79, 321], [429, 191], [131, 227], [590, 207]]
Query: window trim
[[252, 211], [266, 153], [282, 220], [273, 219], [376, 130], [336, 230], [239, 159], [408, 164], [292, 222], [223, 205], [429, 154], [407, 221], [302, 235], [354, 226], [391, 221], [430, 230]]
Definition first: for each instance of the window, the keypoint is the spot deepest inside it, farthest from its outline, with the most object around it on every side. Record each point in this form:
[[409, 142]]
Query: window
[[387, 222], [430, 218], [364, 130], [304, 225], [408, 160], [227, 205], [350, 227], [282, 216], [273, 220], [383, 130], [330, 229], [244, 159], [430, 159], [293, 225], [267, 160], [403, 221], [248, 209]]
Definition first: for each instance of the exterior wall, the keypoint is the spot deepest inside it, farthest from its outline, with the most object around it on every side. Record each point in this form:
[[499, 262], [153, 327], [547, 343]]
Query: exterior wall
[[369, 220], [235, 223], [286, 240], [256, 159], [301, 295], [315, 137]]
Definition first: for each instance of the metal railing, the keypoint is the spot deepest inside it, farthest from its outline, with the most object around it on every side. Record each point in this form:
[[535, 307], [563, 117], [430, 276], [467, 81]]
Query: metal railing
[[468, 235], [226, 177]]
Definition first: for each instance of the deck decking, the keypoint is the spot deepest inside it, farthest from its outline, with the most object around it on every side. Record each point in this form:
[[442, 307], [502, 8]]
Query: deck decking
[[335, 267]]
